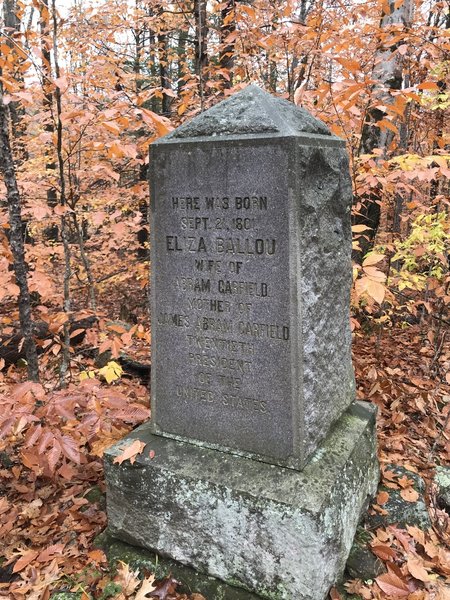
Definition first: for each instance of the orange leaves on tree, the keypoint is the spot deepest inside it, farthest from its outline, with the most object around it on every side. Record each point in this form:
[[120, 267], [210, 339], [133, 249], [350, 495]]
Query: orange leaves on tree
[[131, 452], [112, 127], [351, 65], [160, 124]]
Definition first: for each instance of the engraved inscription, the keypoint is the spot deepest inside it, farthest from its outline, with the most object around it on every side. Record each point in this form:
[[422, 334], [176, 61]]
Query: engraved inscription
[[214, 367], [222, 331]]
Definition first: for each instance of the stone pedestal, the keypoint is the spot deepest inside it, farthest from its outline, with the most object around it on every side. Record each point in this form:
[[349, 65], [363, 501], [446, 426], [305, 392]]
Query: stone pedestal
[[281, 533]]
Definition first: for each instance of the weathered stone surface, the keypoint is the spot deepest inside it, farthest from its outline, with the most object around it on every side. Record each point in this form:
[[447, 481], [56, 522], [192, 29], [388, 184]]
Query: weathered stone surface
[[399, 511], [362, 563], [442, 480], [251, 278], [278, 532], [251, 111], [191, 581]]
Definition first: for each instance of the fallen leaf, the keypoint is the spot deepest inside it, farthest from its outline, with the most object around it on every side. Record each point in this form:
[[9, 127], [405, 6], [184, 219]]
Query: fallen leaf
[[416, 568], [404, 482], [147, 587], [98, 556], [130, 452], [25, 560], [50, 552], [334, 594], [391, 584], [384, 552], [382, 497], [409, 494]]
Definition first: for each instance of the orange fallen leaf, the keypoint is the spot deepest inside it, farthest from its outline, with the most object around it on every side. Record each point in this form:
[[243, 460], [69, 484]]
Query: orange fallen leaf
[[409, 494], [391, 584], [416, 568], [379, 510], [384, 552], [387, 474], [130, 452], [50, 552], [147, 587], [404, 482], [97, 556], [334, 594], [417, 534], [382, 497], [25, 560]]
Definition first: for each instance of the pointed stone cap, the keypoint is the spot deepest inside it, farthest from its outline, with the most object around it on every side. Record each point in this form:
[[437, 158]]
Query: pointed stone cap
[[250, 111]]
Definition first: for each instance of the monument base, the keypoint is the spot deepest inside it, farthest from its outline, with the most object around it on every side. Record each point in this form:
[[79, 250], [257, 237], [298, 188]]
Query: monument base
[[274, 531]]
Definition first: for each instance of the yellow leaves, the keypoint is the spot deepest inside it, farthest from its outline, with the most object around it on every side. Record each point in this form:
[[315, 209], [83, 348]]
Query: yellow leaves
[[111, 372], [130, 453], [86, 375], [371, 283]]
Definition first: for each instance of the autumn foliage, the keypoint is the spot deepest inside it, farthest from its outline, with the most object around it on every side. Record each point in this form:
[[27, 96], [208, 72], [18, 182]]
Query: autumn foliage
[[85, 89]]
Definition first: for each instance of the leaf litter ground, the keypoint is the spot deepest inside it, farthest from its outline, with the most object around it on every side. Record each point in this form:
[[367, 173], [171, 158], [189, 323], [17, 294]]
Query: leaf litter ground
[[52, 490]]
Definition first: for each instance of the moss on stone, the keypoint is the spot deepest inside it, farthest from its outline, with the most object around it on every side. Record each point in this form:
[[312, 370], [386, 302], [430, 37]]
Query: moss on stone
[[191, 580]]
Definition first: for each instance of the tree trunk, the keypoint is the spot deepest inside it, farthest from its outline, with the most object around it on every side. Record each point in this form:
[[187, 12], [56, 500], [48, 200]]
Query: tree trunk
[[181, 51], [200, 45], [16, 243], [50, 164], [16, 110], [228, 26], [164, 73], [389, 76], [65, 364]]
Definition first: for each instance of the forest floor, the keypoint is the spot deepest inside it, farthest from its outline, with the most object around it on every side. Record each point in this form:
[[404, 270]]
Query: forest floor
[[51, 511]]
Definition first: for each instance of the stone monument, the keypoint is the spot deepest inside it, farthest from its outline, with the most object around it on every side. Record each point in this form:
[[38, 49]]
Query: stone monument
[[262, 460]]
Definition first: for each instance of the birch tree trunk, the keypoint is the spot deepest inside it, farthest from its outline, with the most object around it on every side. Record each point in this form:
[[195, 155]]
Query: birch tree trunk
[[388, 73]]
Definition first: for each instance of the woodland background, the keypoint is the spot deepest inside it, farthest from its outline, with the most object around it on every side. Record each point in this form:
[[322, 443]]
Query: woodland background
[[85, 88]]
